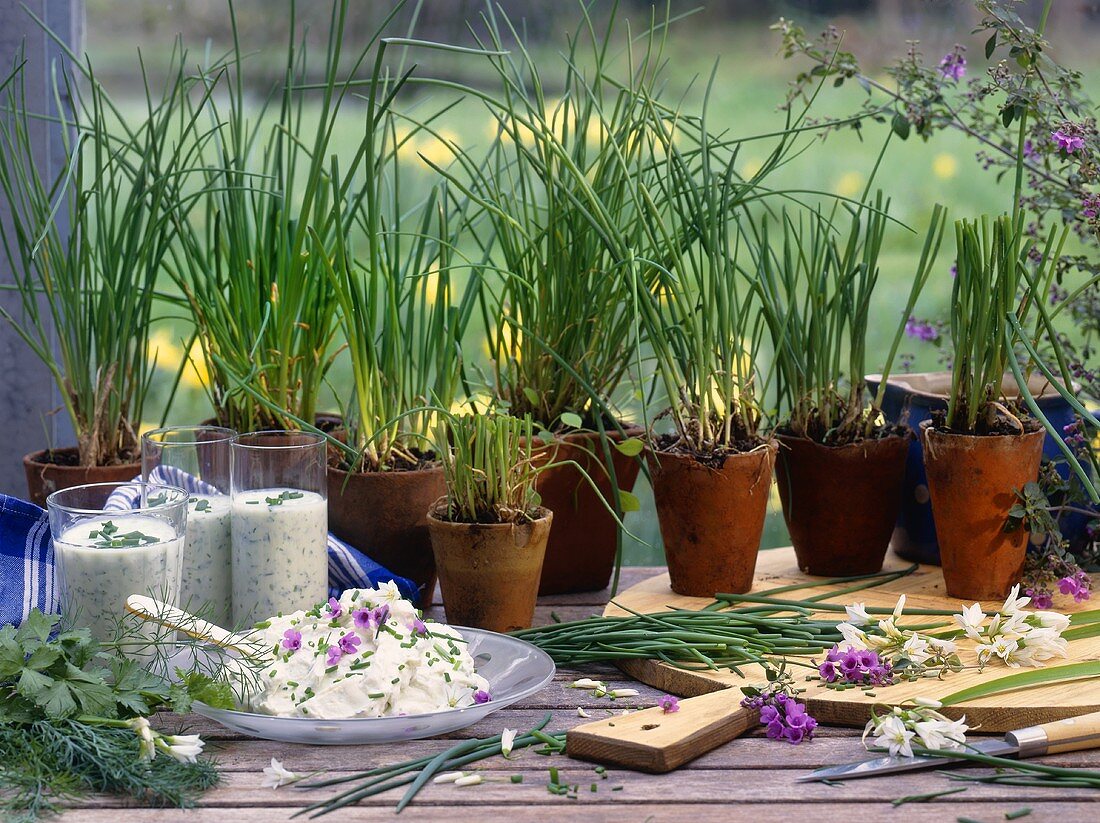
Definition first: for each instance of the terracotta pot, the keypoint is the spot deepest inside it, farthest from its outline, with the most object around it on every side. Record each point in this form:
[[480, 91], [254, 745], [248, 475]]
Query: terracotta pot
[[383, 515], [972, 481], [581, 553], [711, 519], [489, 572], [44, 478], [840, 502]]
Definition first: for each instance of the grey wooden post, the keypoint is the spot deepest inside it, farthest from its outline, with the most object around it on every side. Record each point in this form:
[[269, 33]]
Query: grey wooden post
[[27, 392]]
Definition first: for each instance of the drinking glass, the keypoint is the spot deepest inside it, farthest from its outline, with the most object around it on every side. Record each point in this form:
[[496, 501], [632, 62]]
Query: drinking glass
[[112, 540], [280, 523], [196, 459]]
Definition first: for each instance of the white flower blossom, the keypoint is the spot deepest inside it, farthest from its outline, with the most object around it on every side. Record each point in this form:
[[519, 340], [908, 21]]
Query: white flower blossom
[[183, 747], [582, 713], [970, 620], [893, 734], [1052, 620], [147, 738], [468, 780], [277, 775], [624, 692], [941, 734], [507, 740], [857, 614], [1014, 603]]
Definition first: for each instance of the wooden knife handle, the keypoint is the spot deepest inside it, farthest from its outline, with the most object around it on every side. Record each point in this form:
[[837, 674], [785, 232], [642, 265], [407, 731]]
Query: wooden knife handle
[[1069, 735], [652, 741]]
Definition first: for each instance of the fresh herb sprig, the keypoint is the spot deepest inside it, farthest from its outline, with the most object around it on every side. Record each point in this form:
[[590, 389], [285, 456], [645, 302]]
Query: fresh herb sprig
[[72, 721], [107, 536]]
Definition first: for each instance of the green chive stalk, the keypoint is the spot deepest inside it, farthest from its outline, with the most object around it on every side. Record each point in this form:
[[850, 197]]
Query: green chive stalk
[[252, 264], [816, 286], [560, 211], [87, 283], [488, 468]]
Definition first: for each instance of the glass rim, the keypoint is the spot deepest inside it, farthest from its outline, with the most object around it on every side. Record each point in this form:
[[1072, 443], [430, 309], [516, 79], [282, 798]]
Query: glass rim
[[52, 503], [314, 439], [227, 435]]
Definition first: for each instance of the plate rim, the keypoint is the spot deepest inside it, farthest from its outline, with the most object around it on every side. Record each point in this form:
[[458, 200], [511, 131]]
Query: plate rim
[[212, 711]]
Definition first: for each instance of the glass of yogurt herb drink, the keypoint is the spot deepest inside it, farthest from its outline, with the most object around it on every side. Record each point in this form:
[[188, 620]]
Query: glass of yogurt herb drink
[[104, 554], [196, 458], [280, 523]]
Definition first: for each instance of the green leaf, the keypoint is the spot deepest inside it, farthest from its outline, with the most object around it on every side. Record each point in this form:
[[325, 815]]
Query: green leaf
[[531, 395], [990, 46], [631, 447], [1008, 114], [32, 683], [900, 125], [43, 657], [1025, 680], [629, 501], [571, 420], [37, 626], [57, 700]]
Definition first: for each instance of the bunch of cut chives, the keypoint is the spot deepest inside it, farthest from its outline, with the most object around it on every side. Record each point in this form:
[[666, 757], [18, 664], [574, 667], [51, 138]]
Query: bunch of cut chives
[[710, 638]]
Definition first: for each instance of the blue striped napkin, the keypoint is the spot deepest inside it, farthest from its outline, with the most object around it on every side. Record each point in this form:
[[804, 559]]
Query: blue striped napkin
[[26, 551]]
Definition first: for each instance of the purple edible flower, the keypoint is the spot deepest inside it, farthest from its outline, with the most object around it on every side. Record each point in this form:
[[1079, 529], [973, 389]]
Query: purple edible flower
[[1078, 585], [419, 627], [861, 666], [371, 618], [334, 655], [783, 717], [1067, 140], [292, 640], [349, 643], [921, 330], [953, 64], [482, 696], [334, 608], [668, 703]]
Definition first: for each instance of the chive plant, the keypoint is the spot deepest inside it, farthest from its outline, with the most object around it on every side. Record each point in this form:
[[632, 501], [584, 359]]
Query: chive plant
[[86, 245], [815, 284], [252, 264], [560, 216], [488, 467], [997, 290]]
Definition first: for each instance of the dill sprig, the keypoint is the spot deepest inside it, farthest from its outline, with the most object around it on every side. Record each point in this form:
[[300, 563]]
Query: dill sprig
[[72, 721]]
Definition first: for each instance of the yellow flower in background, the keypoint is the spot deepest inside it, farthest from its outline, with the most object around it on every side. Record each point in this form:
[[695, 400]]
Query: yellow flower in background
[[850, 184], [437, 149], [945, 166], [169, 354], [751, 167]]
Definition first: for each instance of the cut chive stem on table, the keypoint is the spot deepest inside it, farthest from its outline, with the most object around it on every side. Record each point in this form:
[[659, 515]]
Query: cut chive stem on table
[[419, 772]]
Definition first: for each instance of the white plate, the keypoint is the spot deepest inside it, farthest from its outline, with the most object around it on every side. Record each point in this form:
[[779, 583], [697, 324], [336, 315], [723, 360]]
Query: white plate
[[514, 668]]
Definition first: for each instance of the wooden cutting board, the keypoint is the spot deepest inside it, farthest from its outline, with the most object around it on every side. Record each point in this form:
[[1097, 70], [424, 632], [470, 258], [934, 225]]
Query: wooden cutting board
[[651, 741]]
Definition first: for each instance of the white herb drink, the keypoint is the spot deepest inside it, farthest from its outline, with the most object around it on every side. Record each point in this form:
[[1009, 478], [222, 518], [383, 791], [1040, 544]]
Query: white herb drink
[[207, 564], [280, 560]]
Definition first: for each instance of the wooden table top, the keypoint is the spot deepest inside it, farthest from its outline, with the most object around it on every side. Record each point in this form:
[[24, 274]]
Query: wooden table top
[[751, 778]]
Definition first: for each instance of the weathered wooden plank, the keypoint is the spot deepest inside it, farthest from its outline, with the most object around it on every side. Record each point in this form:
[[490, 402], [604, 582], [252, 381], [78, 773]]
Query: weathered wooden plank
[[725, 786], [759, 812]]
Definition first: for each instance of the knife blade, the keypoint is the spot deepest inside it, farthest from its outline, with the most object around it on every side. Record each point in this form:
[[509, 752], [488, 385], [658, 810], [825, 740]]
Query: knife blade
[[1071, 734]]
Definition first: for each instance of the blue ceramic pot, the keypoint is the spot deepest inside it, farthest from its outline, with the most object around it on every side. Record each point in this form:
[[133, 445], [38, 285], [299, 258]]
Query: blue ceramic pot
[[917, 396]]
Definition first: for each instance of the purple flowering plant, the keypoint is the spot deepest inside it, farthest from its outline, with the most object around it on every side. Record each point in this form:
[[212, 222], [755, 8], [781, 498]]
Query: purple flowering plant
[[783, 716], [857, 666]]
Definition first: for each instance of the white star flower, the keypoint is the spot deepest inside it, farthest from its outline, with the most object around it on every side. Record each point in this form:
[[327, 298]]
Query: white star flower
[[277, 775]]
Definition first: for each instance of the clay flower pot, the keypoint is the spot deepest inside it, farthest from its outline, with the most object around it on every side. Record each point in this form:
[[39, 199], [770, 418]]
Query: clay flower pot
[[581, 553], [489, 572], [712, 518], [972, 480], [840, 502], [52, 469], [383, 515]]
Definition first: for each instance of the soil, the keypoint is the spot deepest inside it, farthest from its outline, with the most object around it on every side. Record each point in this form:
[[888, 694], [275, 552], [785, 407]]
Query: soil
[[880, 433], [423, 460], [489, 518], [671, 444], [71, 457], [1002, 425]]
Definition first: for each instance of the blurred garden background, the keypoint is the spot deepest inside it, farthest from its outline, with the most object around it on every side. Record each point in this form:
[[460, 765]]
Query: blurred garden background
[[752, 81]]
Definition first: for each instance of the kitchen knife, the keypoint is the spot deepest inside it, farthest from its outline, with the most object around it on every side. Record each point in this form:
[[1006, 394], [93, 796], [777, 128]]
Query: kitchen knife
[[1069, 735]]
